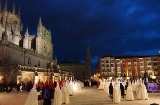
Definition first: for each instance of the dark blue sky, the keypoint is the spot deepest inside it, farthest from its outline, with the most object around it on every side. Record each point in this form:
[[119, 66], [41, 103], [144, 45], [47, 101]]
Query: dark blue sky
[[109, 27]]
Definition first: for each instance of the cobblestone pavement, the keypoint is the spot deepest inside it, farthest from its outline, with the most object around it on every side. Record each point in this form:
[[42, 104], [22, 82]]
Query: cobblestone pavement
[[86, 96]]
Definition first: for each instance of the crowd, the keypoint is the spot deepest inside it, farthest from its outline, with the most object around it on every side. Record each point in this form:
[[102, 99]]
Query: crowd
[[117, 89], [53, 92]]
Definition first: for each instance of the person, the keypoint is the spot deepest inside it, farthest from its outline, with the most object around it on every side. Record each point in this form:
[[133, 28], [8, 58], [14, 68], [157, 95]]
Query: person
[[14, 89], [101, 86], [46, 96], [111, 90], [33, 95], [57, 96], [129, 92], [142, 91], [65, 94], [122, 90], [116, 93]]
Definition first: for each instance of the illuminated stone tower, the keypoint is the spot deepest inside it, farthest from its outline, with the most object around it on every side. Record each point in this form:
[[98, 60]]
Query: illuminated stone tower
[[88, 63]]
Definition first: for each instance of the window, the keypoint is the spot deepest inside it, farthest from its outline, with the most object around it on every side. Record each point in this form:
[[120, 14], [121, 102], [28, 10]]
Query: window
[[102, 65], [130, 74], [39, 63], [136, 74], [141, 64], [107, 65], [29, 61], [124, 70], [118, 69]]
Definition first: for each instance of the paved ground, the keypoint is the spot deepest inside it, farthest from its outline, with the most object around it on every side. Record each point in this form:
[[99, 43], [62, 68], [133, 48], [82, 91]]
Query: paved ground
[[86, 96]]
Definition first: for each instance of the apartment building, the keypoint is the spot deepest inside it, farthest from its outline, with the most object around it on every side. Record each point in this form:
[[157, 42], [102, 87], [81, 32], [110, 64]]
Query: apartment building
[[128, 66]]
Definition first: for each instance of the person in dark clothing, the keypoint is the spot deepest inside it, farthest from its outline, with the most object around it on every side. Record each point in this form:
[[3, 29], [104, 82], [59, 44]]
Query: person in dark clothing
[[126, 85], [122, 90], [111, 90], [46, 96]]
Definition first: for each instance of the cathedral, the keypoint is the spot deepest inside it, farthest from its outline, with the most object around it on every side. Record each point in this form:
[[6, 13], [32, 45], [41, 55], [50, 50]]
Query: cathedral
[[23, 55]]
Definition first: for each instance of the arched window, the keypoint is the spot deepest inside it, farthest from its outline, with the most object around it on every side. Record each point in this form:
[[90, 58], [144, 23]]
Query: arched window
[[136, 74], [124, 74], [130, 74]]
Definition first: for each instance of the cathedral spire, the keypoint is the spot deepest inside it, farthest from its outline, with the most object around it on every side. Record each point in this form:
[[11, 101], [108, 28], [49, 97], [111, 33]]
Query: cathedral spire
[[19, 12], [0, 6], [5, 7], [56, 59], [88, 63], [13, 8], [26, 33], [40, 22], [88, 55], [39, 28]]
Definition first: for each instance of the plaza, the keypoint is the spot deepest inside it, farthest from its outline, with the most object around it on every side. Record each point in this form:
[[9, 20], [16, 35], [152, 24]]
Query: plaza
[[85, 96]]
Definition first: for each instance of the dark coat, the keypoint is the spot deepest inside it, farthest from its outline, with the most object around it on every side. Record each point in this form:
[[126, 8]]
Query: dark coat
[[122, 89], [110, 89]]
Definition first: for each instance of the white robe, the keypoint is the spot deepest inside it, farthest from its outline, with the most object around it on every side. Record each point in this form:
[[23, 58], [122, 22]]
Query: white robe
[[33, 95], [101, 86], [116, 94], [65, 95], [129, 93], [142, 92], [57, 96]]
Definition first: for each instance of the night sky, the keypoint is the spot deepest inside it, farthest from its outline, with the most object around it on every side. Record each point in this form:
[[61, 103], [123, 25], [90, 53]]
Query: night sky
[[109, 27]]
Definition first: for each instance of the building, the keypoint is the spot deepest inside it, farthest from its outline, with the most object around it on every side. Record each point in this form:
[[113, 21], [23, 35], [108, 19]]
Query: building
[[128, 66], [82, 71], [23, 55]]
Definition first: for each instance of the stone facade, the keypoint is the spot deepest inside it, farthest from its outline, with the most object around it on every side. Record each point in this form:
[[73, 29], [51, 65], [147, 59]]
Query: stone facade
[[22, 55], [82, 71], [79, 69]]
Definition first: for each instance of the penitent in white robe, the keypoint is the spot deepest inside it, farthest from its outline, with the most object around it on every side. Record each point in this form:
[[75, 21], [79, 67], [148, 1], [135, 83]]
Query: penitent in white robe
[[57, 96], [101, 86], [116, 94], [33, 95], [142, 92], [65, 95], [129, 93]]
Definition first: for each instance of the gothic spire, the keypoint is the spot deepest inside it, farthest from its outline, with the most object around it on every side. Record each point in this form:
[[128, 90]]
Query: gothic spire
[[39, 28], [56, 59], [88, 56], [26, 33], [13, 8], [0, 6], [5, 7], [19, 12], [40, 22]]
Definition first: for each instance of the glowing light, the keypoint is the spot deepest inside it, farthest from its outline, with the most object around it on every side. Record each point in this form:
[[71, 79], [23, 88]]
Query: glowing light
[[127, 78], [153, 77]]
